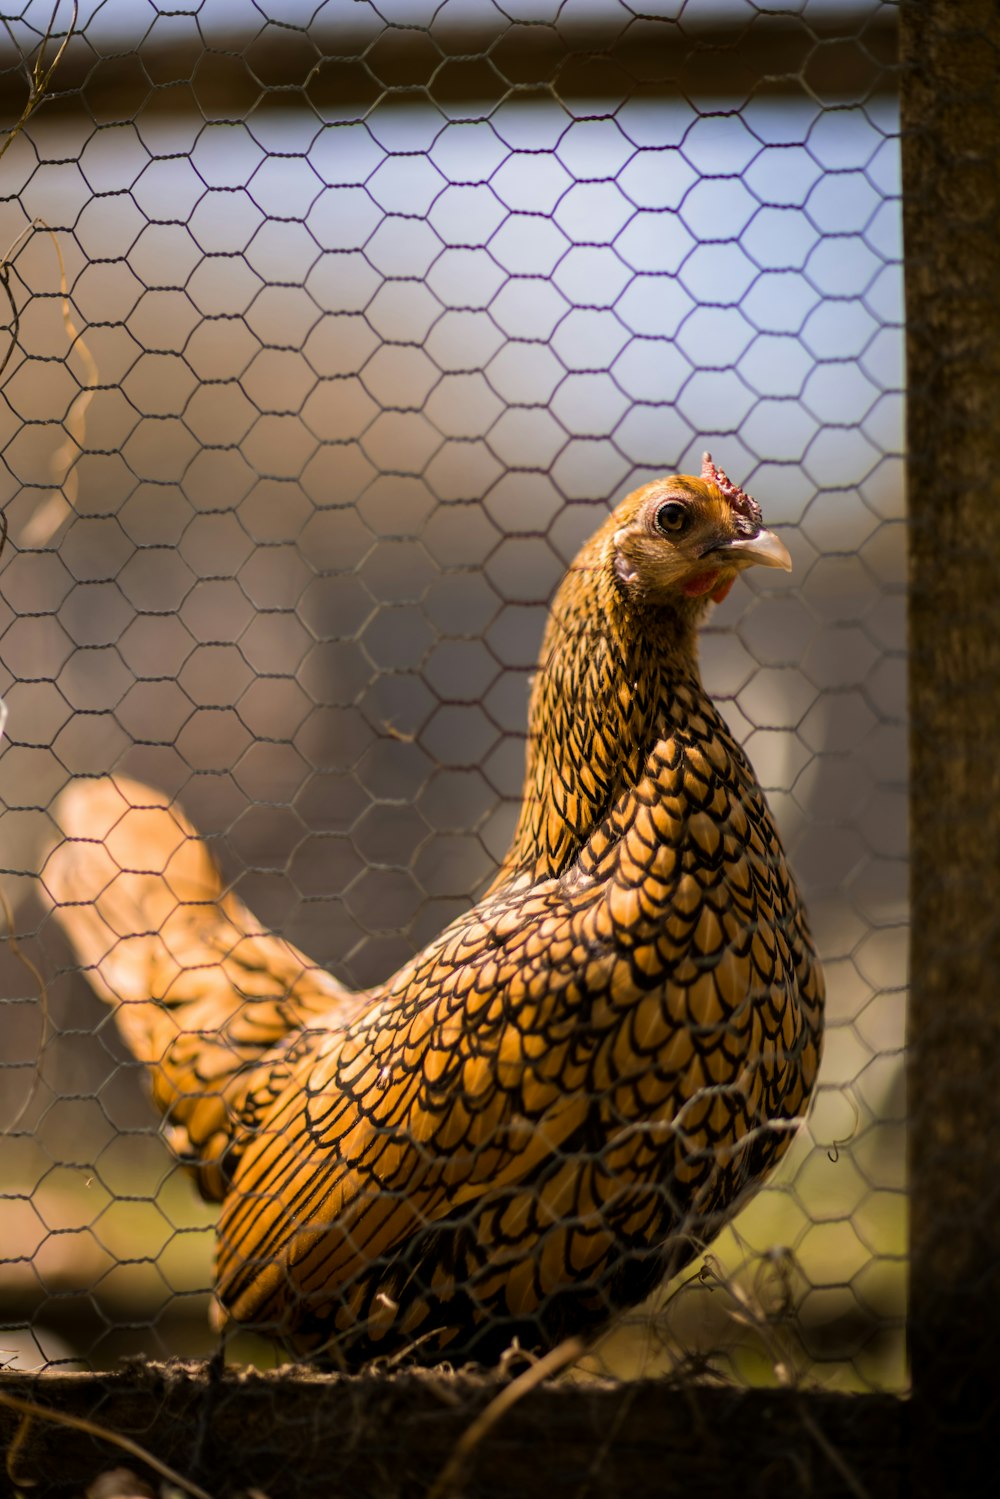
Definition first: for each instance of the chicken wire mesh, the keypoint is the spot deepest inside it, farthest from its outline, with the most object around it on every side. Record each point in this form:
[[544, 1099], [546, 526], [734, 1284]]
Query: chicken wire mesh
[[368, 314]]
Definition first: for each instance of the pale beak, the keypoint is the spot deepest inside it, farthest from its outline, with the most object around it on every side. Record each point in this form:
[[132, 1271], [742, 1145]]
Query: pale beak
[[764, 548]]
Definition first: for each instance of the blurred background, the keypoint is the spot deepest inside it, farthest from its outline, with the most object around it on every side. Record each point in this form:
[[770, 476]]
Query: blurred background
[[369, 315]]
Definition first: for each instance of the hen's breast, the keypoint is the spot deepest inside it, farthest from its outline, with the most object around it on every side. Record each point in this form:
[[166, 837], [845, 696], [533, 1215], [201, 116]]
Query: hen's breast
[[560, 1099]]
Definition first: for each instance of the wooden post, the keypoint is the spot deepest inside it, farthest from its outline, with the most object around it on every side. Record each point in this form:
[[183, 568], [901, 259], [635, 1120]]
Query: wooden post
[[950, 54]]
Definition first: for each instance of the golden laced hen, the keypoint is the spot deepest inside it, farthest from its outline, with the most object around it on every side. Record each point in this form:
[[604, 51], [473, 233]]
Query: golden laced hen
[[557, 1102]]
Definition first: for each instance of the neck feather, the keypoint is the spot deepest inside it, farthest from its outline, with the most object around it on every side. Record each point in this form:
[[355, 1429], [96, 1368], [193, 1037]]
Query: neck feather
[[605, 685]]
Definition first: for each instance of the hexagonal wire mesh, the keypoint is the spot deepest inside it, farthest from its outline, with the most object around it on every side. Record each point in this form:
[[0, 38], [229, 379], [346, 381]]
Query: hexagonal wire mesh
[[370, 313]]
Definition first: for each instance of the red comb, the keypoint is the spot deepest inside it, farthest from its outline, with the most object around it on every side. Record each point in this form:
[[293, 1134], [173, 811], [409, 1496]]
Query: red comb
[[738, 498]]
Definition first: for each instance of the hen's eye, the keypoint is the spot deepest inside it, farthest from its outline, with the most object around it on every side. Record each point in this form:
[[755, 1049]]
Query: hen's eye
[[671, 518]]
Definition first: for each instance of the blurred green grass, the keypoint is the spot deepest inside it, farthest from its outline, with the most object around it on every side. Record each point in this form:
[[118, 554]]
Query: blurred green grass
[[807, 1286]]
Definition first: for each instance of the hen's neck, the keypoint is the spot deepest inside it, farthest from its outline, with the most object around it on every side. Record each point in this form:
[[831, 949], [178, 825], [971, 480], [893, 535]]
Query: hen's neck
[[607, 679]]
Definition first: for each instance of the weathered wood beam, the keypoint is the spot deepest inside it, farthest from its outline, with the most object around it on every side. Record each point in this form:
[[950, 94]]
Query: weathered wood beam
[[297, 1434], [951, 186], [342, 72]]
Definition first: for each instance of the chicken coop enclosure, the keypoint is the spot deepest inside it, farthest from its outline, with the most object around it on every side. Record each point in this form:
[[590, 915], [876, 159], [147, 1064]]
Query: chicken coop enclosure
[[332, 332]]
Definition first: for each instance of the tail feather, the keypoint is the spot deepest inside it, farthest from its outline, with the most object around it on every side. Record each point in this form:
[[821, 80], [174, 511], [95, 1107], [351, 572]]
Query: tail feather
[[202, 993]]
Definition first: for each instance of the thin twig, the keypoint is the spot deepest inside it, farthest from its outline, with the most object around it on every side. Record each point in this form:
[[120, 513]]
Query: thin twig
[[29, 1409], [833, 1149], [43, 525], [39, 80], [14, 328], [43, 997], [565, 1353], [49, 517], [610, 1438], [829, 1451], [13, 1452], [39, 77]]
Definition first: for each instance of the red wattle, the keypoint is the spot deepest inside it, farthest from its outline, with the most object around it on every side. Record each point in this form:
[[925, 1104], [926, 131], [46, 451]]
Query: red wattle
[[701, 583]]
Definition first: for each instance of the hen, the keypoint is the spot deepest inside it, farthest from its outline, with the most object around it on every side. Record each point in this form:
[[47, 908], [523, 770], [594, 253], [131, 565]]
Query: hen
[[565, 1095]]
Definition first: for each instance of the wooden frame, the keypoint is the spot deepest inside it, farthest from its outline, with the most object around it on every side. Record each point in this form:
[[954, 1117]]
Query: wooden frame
[[297, 1434], [951, 183]]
